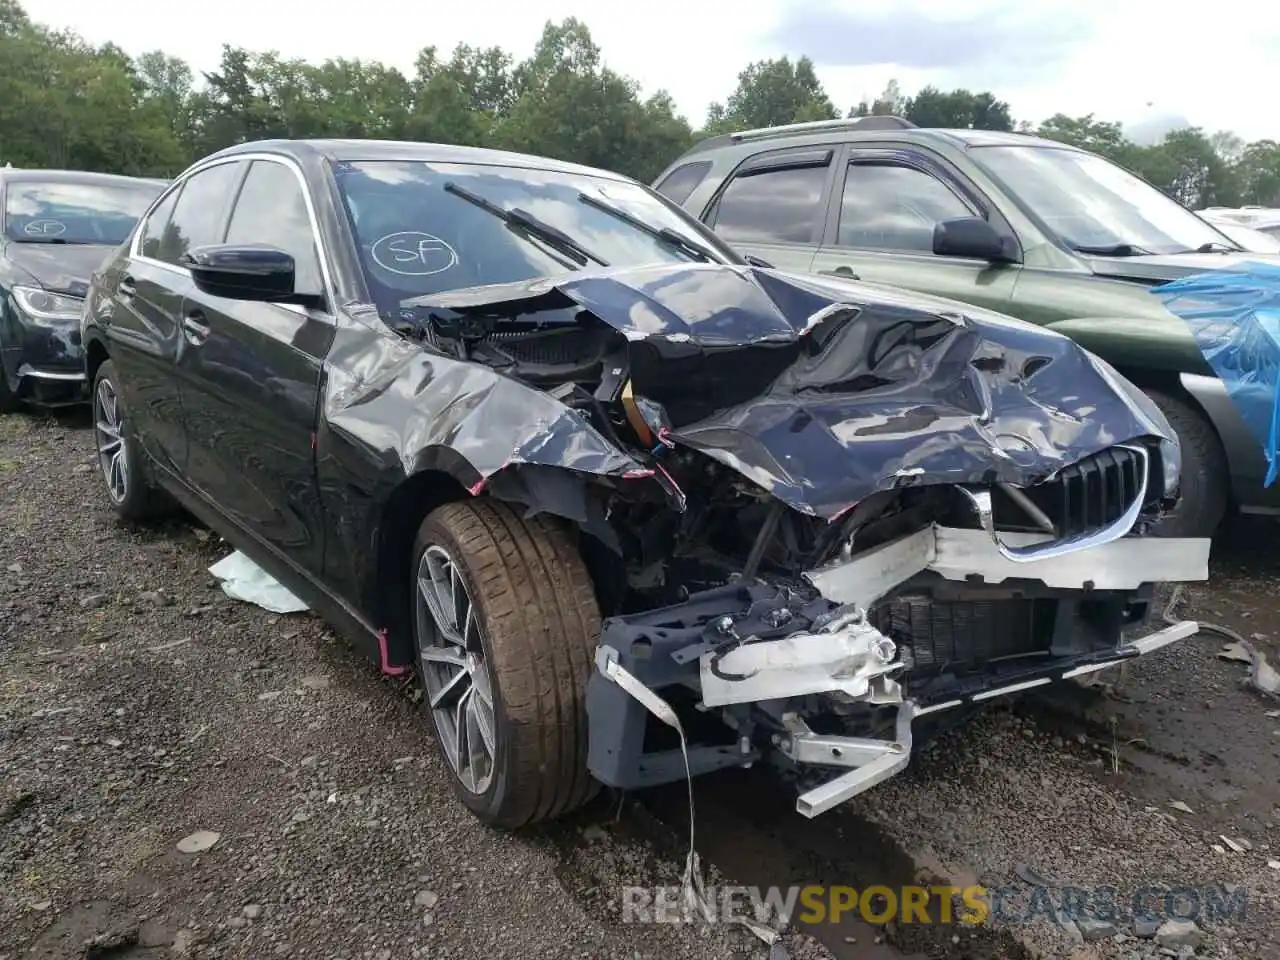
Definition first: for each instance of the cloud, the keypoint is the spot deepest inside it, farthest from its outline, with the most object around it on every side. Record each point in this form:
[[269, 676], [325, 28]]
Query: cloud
[[995, 39]]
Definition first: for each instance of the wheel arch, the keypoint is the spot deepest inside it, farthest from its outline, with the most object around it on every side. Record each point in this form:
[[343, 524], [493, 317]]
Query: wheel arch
[[419, 494], [397, 526], [95, 355]]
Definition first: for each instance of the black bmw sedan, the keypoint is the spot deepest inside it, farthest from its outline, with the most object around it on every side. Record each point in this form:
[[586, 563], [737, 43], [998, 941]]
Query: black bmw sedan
[[56, 228], [529, 430]]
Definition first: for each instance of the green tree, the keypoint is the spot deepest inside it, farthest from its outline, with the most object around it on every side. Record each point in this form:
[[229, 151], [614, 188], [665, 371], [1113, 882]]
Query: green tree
[[1258, 173], [1097, 136], [1186, 167], [890, 103], [771, 93], [570, 106], [957, 110]]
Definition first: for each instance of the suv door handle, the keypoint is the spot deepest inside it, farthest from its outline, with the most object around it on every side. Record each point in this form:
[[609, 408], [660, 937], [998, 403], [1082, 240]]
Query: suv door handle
[[197, 332], [125, 289], [844, 273]]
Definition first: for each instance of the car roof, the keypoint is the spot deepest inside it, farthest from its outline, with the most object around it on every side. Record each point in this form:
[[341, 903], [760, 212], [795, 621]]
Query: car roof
[[23, 174], [403, 150], [872, 129]]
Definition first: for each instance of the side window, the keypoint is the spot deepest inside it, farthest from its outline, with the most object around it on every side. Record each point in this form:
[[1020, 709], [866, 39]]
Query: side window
[[682, 181], [887, 206], [271, 209], [153, 230], [200, 213], [776, 204]]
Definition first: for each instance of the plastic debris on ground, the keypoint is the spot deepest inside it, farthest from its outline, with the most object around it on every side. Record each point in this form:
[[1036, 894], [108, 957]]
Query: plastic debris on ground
[[242, 579], [1262, 674], [1234, 316]]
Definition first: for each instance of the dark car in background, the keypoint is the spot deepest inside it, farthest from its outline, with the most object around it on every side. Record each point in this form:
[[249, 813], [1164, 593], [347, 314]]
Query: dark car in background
[[1030, 227], [527, 427], [56, 228]]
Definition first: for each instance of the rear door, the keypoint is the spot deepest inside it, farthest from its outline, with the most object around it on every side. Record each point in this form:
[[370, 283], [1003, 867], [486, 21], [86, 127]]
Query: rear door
[[251, 377], [880, 228], [773, 205]]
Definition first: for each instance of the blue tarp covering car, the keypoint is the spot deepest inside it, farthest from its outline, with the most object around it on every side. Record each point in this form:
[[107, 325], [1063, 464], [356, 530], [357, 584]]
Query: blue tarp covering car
[[1234, 316]]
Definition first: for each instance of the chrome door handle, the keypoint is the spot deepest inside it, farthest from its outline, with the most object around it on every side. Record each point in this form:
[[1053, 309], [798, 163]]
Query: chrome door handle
[[844, 273], [197, 332]]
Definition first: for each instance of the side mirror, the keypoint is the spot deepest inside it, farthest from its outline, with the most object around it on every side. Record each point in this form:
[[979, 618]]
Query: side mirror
[[250, 272], [970, 237]]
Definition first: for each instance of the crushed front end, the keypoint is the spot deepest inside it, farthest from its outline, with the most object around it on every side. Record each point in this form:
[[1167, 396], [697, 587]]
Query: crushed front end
[[815, 512], [935, 600]]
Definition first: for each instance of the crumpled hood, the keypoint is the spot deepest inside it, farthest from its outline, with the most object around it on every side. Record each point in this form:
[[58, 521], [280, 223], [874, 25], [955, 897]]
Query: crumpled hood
[[825, 391], [59, 267], [1158, 268]]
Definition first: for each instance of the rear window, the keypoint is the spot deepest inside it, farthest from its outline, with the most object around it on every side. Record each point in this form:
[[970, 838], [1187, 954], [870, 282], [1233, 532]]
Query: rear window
[[777, 205], [682, 181], [54, 211]]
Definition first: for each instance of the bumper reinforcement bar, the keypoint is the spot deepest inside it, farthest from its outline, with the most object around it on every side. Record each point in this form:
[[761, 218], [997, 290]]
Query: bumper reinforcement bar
[[873, 761]]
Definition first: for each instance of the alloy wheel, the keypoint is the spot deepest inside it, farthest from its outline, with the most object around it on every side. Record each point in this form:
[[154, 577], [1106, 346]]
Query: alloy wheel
[[108, 430], [455, 674]]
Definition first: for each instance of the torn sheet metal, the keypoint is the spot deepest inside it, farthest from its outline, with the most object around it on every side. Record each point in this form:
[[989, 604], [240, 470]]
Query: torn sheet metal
[[415, 409], [1234, 316], [242, 579], [820, 391]]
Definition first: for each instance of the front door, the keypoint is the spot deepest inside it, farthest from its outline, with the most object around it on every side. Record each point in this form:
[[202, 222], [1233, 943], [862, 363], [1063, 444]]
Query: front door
[[251, 375], [880, 229]]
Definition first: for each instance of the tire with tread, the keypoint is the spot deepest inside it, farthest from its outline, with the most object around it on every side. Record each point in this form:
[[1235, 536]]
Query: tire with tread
[[143, 501], [540, 625], [1204, 487]]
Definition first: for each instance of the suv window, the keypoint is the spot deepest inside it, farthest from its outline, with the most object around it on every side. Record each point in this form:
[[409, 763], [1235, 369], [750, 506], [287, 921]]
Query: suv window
[[271, 209], [682, 181], [772, 205], [157, 224], [888, 206], [198, 217]]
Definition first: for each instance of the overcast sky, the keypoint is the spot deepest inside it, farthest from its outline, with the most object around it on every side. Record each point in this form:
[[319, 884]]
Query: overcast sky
[[1216, 64]]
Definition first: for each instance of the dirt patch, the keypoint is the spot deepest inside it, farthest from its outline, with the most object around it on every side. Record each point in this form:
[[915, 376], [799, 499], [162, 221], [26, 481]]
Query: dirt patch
[[139, 704]]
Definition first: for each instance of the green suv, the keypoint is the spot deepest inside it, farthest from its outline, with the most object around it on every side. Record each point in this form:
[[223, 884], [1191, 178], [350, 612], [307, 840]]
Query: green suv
[[1032, 228]]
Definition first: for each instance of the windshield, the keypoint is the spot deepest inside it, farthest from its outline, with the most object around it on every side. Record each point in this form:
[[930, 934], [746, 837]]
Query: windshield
[[1254, 241], [1091, 203], [425, 228], [69, 212]]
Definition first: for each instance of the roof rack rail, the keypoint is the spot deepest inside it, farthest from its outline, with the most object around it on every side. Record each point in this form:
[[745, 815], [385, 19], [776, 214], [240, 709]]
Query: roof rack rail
[[816, 126]]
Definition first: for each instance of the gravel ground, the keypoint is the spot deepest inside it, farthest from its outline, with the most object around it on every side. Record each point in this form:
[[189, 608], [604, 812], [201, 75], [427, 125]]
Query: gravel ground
[[139, 705]]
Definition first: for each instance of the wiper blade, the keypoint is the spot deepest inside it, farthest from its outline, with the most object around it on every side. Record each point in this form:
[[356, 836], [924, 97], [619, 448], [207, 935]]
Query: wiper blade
[[57, 240], [664, 235], [526, 221], [1112, 250], [1214, 246]]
